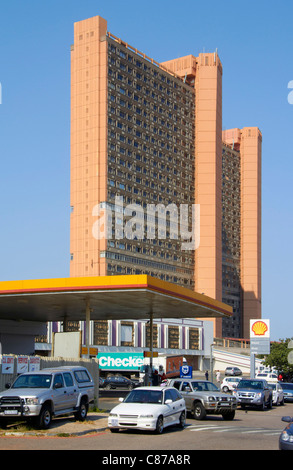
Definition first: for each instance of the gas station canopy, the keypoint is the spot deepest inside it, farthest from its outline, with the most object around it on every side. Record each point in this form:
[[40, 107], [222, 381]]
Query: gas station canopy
[[104, 298]]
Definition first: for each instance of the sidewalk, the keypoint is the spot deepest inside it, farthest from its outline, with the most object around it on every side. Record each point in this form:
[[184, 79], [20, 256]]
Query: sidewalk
[[65, 426]]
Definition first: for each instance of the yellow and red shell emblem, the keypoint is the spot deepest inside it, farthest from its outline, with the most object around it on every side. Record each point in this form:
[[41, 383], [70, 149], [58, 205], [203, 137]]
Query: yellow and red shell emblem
[[259, 328]]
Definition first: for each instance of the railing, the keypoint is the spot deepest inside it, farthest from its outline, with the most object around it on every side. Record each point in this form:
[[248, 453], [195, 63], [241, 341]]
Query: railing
[[232, 342]]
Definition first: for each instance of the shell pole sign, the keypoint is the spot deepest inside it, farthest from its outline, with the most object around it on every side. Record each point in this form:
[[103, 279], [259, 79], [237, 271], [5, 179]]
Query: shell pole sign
[[259, 328]]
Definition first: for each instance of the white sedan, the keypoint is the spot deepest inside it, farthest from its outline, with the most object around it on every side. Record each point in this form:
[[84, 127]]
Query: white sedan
[[229, 384], [149, 409]]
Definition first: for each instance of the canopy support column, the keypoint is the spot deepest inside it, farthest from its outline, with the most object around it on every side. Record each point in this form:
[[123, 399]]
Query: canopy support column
[[151, 343], [87, 325]]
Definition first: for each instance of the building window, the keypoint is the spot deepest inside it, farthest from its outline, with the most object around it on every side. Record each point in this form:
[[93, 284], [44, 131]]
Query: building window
[[193, 338], [127, 334]]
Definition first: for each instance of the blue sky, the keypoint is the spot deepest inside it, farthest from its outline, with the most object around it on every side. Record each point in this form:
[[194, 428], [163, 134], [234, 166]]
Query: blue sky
[[254, 42]]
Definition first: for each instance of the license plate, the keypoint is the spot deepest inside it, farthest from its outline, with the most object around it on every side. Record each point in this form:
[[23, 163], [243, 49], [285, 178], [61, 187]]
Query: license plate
[[10, 412]]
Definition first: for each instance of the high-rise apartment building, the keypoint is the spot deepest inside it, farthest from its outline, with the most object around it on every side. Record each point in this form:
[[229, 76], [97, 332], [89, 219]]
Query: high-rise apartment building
[[242, 225], [148, 135]]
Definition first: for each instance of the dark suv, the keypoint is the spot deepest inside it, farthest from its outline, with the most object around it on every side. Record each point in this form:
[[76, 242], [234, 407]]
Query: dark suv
[[117, 381], [254, 392]]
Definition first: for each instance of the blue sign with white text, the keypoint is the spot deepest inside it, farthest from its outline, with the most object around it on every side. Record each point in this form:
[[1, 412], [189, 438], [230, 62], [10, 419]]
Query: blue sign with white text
[[186, 372]]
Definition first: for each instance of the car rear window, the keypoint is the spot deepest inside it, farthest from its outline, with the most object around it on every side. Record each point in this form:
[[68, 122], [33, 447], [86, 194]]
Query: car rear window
[[82, 376]]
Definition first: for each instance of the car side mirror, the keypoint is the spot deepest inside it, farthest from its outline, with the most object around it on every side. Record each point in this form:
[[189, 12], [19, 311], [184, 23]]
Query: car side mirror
[[287, 419], [121, 399], [58, 385], [168, 401], [8, 385]]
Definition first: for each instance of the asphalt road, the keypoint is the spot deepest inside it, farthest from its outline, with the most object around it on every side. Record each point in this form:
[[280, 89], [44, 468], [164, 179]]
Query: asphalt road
[[250, 430]]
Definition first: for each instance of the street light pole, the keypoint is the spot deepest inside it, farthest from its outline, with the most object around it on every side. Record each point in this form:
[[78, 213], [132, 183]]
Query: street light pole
[[211, 363]]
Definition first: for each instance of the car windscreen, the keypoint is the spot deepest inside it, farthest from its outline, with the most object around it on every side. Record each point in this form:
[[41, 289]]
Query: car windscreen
[[203, 386], [254, 384], [145, 396], [33, 381]]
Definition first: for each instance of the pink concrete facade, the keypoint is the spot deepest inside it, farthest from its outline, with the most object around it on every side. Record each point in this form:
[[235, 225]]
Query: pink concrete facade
[[88, 143], [248, 141]]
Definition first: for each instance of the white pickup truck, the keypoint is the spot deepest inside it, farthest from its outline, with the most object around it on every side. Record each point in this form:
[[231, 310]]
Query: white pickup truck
[[41, 395]]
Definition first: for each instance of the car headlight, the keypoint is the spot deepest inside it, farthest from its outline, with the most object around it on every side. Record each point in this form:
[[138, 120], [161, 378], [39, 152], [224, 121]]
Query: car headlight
[[286, 437], [146, 416], [258, 395], [113, 415], [212, 398], [32, 401]]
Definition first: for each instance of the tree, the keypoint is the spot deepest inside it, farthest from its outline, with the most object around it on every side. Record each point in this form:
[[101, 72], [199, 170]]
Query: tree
[[279, 357]]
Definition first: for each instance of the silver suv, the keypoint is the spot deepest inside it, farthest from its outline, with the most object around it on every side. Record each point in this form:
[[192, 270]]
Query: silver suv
[[233, 371], [47, 393], [253, 392], [203, 397]]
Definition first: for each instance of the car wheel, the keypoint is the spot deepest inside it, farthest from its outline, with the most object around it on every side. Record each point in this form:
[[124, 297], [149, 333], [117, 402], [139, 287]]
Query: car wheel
[[45, 417], [225, 389], [270, 403], [82, 411], [108, 387], [130, 387], [282, 403], [182, 420], [160, 425], [198, 411], [229, 415], [263, 405]]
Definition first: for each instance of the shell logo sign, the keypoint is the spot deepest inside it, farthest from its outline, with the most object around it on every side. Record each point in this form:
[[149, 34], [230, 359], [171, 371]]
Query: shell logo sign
[[259, 328]]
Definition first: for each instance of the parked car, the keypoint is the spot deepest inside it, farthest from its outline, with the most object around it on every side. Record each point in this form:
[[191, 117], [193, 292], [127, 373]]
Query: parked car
[[117, 381], [253, 392], [288, 390], [149, 409], [233, 371], [229, 384], [203, 397], [278, 393], [286, 437], [47, 393], [268, 376]]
